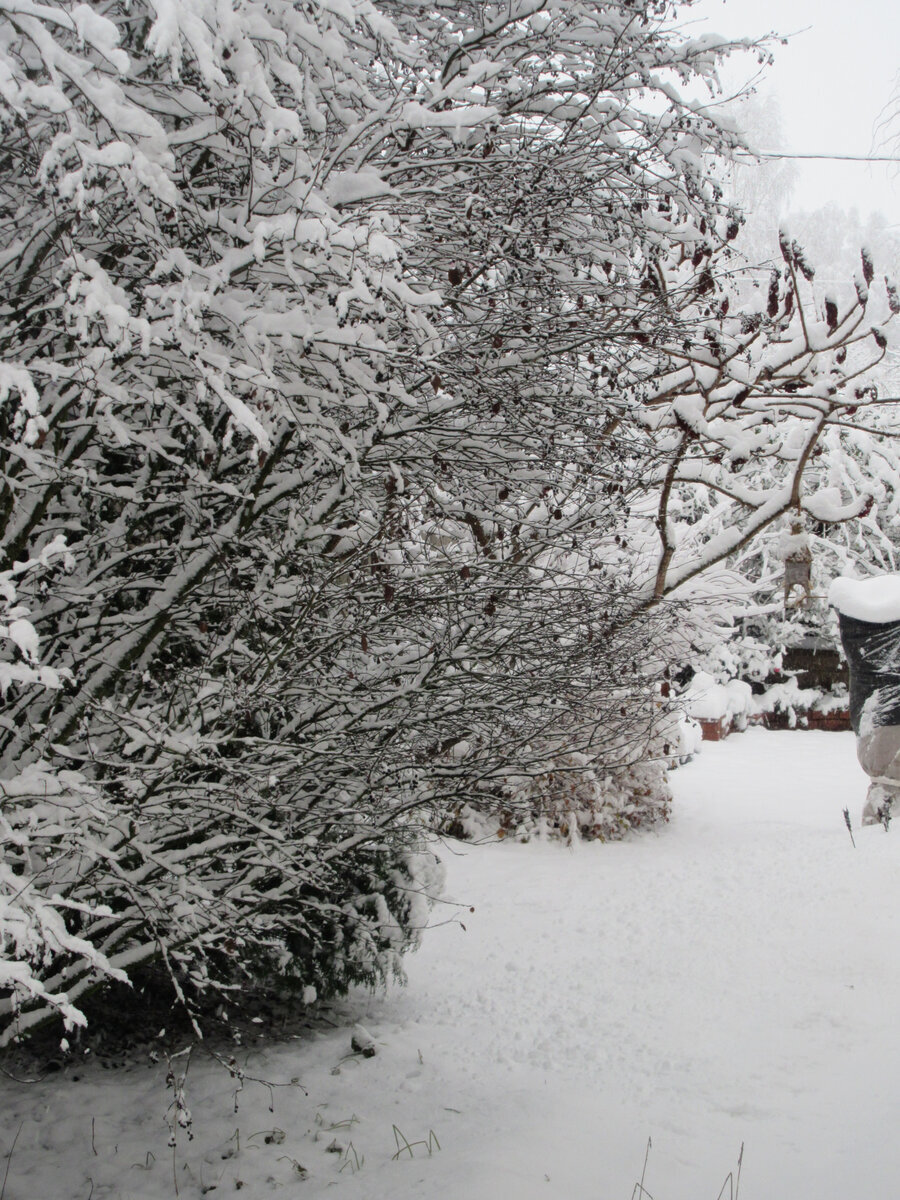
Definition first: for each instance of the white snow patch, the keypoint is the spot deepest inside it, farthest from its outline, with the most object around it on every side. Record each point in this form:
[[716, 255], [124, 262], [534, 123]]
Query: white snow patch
[[24, 634], [727, 979]]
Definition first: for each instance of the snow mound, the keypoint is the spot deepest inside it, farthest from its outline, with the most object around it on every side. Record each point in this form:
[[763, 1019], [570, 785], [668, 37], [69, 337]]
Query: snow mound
[[707, 700], [875, 600]]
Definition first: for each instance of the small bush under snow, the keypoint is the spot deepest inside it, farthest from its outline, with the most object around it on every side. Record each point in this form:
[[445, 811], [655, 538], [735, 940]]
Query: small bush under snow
[[574, 798]]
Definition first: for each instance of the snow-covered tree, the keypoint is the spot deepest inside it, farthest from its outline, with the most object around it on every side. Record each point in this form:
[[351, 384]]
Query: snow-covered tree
[[747, 411], [353, 350], [854, 461]]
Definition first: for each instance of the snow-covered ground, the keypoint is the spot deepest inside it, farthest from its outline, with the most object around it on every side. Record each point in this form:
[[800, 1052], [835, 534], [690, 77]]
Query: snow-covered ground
[[732, 978]]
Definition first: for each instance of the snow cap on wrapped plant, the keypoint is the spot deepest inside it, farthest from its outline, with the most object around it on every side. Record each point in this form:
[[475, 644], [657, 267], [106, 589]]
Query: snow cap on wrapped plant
[[875, 600]]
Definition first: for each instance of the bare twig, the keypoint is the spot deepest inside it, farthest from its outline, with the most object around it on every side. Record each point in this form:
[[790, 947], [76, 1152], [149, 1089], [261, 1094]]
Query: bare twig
[[639, 1190], [9, 1159]]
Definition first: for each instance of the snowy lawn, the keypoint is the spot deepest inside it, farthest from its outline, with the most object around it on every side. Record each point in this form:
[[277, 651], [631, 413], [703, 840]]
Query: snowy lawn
[[732, 978]]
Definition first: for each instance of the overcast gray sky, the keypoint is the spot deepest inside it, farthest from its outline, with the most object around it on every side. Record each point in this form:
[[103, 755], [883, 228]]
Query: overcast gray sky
[[832, 81]]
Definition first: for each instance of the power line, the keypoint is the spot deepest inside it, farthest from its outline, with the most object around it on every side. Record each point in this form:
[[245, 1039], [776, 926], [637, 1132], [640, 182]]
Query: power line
[[867, 158]]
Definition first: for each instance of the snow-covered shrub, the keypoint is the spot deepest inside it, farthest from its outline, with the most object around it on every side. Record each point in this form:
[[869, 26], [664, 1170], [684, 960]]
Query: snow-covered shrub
[[789, 656], [687, 740], [373, 909], [578, 799], [788, 700], [706, 700], [53, 825], [572, 795], [344, 922]]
